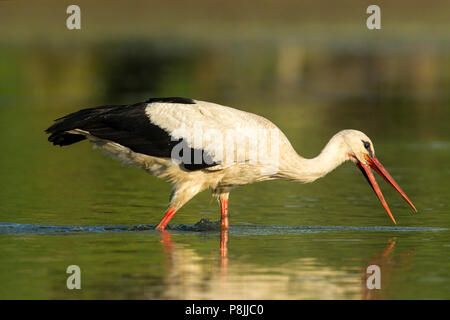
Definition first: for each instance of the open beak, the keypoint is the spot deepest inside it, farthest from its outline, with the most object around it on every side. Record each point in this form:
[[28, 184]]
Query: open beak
[[378, 167]]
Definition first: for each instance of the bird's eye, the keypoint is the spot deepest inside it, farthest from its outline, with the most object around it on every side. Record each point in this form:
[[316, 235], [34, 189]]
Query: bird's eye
[[366, 145]]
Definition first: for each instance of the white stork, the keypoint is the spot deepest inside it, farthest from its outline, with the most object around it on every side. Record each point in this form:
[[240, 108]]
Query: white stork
[[185, 142]]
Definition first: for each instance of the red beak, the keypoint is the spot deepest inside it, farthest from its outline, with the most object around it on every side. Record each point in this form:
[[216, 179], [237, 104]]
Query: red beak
[[378, 167]]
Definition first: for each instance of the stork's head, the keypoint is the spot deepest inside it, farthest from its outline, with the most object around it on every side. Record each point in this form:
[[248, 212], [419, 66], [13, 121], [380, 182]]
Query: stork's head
[[360, 151], [358, 145]]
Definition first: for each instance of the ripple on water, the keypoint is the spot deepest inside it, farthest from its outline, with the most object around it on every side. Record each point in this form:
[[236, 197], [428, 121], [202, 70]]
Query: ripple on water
[[202, 225]]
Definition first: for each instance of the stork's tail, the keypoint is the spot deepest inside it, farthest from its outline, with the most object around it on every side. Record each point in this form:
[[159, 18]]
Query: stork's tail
[[64, 138], [61, 133]]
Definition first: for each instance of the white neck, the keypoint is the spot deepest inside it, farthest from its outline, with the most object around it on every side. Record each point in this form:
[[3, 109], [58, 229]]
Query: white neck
[[300, 169]]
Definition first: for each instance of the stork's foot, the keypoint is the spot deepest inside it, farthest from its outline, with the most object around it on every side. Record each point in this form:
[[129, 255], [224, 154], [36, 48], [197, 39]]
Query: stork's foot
[[207, 225]]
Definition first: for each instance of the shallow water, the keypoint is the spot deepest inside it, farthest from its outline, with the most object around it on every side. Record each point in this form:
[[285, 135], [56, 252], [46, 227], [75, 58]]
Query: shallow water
[[65, 206], [262, 262]]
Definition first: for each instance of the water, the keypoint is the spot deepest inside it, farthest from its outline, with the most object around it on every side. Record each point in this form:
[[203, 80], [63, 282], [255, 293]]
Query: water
[[64, 206], [263, 262]]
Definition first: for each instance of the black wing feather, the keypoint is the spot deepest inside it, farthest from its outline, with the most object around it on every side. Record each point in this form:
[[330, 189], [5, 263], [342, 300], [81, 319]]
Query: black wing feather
[[127, 125]]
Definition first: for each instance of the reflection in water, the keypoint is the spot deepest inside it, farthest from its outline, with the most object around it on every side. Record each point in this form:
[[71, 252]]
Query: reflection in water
[[388, 267], [168, 247], [223, 250], [320, 263], [247, 262], [304, 278]]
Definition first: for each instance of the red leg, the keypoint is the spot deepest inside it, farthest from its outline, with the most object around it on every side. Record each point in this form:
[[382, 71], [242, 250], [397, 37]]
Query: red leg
[[169, 214], [224, 212]]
